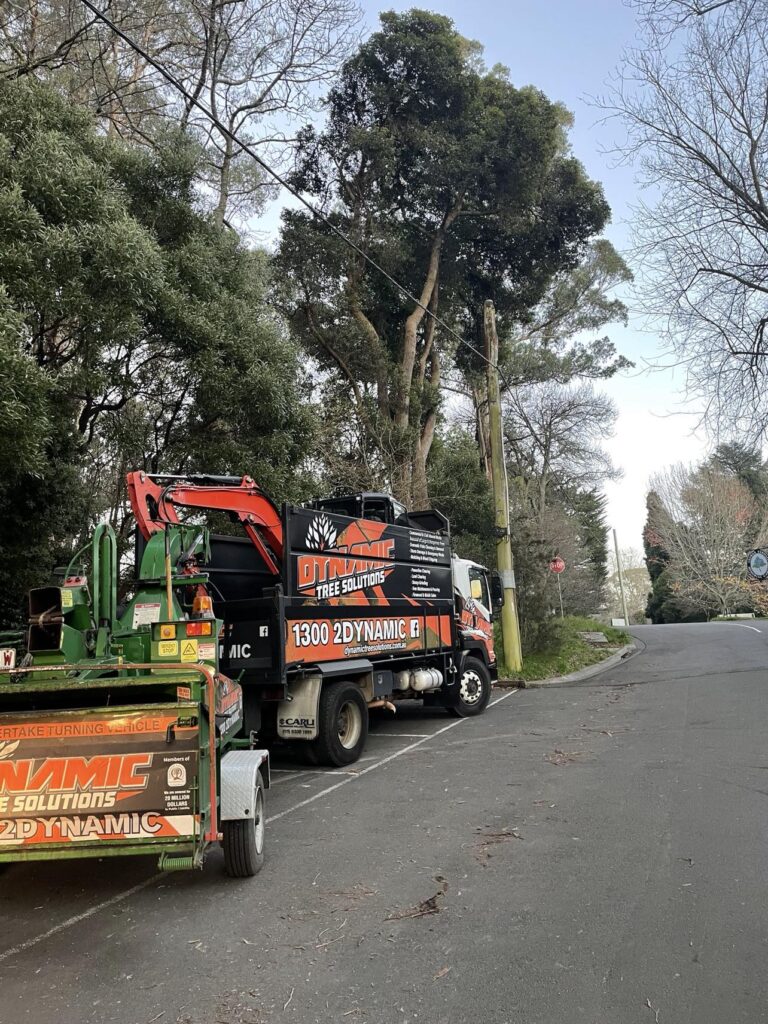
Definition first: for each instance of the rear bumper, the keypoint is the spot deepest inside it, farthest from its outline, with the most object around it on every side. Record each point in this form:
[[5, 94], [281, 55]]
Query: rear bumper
[[77, 851]]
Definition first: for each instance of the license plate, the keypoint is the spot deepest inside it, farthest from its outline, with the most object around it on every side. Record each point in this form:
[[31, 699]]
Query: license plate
[[7, 658]]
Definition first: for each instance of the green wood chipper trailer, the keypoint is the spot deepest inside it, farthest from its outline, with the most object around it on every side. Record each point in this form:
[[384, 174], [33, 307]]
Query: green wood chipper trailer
[[118, 733]]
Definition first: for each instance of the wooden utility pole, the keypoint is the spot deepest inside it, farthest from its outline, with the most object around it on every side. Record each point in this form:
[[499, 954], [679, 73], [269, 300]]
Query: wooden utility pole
[[510, 627], [621, 579]]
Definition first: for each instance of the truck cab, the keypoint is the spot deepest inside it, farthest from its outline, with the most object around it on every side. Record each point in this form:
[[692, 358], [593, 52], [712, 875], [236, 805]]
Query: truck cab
[[477, 593]]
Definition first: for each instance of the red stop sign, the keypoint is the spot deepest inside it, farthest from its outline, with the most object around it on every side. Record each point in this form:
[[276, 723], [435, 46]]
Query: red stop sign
[[557, 565]]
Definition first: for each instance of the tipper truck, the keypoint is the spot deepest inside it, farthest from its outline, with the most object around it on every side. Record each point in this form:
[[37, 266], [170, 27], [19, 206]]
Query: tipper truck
[[331, 609]]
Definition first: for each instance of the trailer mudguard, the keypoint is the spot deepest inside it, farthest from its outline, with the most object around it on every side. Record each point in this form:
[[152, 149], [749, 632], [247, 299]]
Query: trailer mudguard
[[237, 778]]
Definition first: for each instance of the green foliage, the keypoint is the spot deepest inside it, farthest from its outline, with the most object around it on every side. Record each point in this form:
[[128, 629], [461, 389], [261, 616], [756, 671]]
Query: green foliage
[[133, 333], [745, 462], [567, 652], [589, 508], [558, 340], [462, 492], [23, 406], [663, 603]]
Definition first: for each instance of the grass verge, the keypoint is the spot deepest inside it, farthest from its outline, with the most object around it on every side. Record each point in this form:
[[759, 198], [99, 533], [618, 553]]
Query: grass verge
[[571, 653]]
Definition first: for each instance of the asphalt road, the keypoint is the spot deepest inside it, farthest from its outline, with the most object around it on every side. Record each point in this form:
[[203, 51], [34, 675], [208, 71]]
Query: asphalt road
[[594, 853]]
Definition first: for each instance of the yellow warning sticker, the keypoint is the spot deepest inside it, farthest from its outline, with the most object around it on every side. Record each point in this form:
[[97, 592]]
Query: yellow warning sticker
[[189, 650], [67, 598], [168, 648]]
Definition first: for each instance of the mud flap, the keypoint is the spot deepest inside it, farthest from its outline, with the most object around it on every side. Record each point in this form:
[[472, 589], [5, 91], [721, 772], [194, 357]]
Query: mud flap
[[297, 715]]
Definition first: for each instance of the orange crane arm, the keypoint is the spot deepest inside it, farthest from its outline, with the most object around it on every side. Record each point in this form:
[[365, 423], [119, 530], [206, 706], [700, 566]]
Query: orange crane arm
[[155, 497]]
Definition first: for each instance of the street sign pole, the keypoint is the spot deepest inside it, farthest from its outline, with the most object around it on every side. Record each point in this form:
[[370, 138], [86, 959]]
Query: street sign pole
[[557, 566]]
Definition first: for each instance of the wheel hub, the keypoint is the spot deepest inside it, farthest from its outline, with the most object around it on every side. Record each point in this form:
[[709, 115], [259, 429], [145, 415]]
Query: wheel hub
[[471, 687], [349, 725]]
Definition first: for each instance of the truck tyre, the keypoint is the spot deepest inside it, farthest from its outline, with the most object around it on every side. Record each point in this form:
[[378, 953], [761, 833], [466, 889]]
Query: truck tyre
[[244, 838], [474, 689], [342, 722]]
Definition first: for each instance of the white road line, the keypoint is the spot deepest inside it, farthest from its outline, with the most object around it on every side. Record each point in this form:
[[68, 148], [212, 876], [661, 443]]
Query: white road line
[[121, 896], [502, 697], [377, 764], [748, 627], [295, 774], [81, 917], [402, 735]]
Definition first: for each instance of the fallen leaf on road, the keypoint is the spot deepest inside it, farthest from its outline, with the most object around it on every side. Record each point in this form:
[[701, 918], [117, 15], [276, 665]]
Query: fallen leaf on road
[[426, 907], [653, 1008], [562, 757], [441, 973], [486, 839]]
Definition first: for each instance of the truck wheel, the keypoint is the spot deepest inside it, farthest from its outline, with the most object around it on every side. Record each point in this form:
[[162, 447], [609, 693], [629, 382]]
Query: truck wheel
[[342, 720], [244, 838], [474, 689]]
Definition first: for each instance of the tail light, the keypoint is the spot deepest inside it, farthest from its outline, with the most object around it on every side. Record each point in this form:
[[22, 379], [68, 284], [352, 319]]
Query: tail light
[[199, 628]]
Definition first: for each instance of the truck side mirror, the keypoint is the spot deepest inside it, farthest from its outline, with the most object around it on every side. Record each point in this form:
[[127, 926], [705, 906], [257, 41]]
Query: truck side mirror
[[497, 591]]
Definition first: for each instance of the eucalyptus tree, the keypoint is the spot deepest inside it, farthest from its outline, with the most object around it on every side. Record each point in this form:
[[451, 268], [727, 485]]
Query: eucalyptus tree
[[462, 188]]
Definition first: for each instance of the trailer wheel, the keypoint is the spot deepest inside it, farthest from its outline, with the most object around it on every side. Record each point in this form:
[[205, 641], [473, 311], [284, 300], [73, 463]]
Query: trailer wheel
[[244, 838], [474, 690], [342, 719]]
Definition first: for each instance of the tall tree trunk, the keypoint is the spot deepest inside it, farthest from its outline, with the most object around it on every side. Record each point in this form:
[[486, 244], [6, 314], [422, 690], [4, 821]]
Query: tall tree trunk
[[408, 360], [420, 485], [543, 484], [428, 384], [402, 481]]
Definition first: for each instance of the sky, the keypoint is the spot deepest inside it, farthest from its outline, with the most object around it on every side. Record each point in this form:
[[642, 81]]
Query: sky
[[568, 49]]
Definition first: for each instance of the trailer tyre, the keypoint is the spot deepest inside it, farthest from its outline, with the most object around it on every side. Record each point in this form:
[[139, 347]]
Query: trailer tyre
[[474, 690], [244, 838], [342, 719]]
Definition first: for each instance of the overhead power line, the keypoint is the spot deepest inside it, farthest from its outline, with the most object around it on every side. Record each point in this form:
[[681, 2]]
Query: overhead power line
[[228, 133]]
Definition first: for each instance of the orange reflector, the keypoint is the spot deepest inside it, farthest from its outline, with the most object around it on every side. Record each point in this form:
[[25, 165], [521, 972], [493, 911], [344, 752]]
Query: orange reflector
[[167, 631], [199, 628]]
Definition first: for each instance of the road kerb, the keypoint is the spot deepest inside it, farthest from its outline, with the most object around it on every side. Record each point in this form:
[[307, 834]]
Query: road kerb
[[574, 677]]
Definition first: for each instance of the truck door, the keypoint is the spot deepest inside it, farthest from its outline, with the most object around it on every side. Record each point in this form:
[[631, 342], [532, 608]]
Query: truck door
[[475, 616]]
